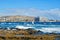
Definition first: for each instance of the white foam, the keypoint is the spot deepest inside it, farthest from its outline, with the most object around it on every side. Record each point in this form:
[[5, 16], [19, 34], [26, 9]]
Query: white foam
[[50, 30], [8, 28], [9, 23], [23, 27]]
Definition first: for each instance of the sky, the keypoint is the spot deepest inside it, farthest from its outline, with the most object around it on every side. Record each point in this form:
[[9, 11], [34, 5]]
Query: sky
[[42, 8]]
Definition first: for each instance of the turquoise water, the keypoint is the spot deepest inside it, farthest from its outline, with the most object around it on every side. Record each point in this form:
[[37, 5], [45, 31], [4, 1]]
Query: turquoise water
[[35, 24], [43, 26]]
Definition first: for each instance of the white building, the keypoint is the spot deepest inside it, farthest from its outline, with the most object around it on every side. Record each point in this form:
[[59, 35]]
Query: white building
[[44, 19]]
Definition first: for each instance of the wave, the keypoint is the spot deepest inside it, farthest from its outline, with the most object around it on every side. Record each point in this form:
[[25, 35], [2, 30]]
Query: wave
[[43, 29], [50, 30], [23, 27]]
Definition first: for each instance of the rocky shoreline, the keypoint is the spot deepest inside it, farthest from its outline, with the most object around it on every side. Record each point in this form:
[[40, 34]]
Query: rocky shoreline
[[22, 34]]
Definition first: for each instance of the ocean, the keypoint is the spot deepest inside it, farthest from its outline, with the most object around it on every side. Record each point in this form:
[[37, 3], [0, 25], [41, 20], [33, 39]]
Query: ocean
[[42, 26]]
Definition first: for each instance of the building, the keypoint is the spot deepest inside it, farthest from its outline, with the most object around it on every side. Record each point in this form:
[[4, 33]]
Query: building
[[44, 19], [52, 20], [16, 19], [36, 19]]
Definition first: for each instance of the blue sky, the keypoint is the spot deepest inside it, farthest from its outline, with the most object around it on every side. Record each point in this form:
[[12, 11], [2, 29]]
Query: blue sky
[[39, 4], [45, 8]]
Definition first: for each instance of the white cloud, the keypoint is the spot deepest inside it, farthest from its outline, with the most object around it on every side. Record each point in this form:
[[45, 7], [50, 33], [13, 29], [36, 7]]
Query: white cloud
[[51, 13]]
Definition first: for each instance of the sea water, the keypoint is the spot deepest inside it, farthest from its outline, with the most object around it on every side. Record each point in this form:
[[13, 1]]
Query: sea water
[[42, 26]]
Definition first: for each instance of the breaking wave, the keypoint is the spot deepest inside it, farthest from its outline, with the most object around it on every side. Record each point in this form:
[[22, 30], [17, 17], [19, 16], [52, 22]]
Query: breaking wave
[[49, 27], [43, 29], [23, 27], [50, 30]]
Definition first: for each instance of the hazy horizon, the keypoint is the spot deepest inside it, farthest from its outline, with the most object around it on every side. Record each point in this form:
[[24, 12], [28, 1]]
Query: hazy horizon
[[41, 8]]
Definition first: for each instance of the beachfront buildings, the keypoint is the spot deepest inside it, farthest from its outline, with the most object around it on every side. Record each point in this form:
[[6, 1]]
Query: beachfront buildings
[[25, 19], [44, 19], [36, 19], [16, 19]]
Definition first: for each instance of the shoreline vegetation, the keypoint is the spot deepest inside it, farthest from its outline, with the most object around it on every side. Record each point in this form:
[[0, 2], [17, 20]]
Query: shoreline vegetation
[[22, 34]]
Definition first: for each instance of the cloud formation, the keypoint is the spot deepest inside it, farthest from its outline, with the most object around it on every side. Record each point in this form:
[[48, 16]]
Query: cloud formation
[[51, 13]]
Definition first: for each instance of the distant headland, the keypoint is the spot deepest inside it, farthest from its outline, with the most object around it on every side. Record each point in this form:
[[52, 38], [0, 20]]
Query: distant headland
[[19, 18]]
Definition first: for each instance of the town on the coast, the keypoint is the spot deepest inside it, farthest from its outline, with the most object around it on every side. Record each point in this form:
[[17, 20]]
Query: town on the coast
[[19, 18], [20, 33]]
